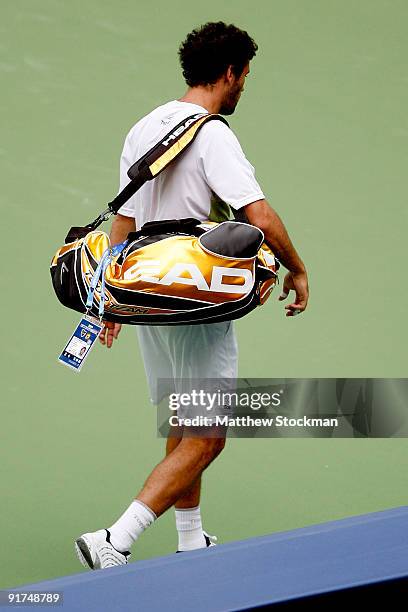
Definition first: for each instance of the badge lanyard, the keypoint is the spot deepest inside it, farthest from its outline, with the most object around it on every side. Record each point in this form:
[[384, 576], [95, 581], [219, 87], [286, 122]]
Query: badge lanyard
[[88, 329]]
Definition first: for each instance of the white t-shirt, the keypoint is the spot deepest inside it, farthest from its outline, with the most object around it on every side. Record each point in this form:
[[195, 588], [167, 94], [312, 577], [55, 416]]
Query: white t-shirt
[[212, 171]]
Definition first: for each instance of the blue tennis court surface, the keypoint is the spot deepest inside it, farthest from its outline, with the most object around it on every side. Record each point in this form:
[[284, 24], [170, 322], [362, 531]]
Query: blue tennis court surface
[[370, 550]]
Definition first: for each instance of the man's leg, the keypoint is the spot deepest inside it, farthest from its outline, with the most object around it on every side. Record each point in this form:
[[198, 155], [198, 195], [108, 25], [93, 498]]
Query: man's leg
[[172, 478], [187, 510], [217, 358], [178, 472], [191, 498], [171, 353]]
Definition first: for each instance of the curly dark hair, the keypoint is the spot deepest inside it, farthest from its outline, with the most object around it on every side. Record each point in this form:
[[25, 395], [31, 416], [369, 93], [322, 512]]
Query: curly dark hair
[[207, 52]]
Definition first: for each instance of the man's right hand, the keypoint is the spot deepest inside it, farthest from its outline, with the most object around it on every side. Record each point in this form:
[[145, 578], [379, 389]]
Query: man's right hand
[[296, 281], [109, 333], [121, 226]]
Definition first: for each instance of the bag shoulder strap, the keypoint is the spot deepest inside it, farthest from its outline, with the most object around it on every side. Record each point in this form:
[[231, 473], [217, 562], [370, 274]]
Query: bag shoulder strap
[[161, 155], [150, 165]]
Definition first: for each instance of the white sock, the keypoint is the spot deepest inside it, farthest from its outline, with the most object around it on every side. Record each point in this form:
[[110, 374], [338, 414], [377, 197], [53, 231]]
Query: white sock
[[130, 525], [190, 529]]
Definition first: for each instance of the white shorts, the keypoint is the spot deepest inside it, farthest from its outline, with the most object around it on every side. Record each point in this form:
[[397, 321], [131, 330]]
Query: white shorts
[[178, 353]]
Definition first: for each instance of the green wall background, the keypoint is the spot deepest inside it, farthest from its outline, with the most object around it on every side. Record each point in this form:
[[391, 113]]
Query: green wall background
[[323, 119]]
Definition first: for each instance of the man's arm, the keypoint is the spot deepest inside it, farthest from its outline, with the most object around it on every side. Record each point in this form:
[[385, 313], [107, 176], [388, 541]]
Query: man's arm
[[121, 226], [262, 215]]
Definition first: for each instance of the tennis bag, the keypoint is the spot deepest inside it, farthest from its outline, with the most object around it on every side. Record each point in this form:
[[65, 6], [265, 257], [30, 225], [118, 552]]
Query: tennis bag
[[168, 273], [171, 272]]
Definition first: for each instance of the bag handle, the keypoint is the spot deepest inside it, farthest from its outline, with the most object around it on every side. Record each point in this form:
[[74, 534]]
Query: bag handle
[[188, 225]]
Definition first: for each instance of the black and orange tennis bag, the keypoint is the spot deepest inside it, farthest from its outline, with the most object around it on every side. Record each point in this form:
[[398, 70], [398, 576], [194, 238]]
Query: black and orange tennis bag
[[172, 272]]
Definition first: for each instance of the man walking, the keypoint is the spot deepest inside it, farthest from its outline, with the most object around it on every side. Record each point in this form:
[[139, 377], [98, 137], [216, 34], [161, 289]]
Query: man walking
[[212, 176]]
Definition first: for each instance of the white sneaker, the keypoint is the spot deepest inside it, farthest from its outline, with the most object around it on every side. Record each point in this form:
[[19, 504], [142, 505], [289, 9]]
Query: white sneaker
[[95, 550], [210, 539]]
